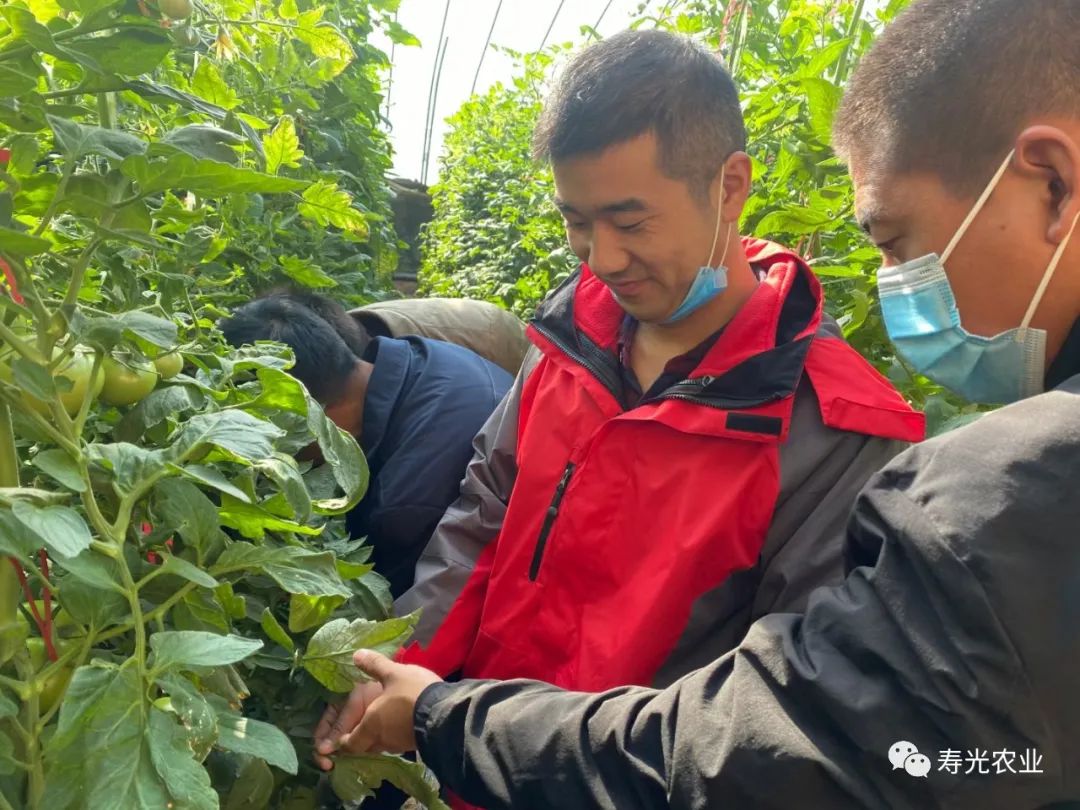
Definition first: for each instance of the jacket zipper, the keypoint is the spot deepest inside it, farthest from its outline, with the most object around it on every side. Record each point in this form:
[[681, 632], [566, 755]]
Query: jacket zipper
[[595, 364], [549, 521]]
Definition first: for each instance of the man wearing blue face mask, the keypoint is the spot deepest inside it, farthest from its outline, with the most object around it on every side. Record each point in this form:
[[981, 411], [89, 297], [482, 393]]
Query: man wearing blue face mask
[[681, 451], [923, 319], [944, 672]]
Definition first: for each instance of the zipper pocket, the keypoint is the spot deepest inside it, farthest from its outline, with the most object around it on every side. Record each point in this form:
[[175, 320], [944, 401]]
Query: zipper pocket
[[549, 521]]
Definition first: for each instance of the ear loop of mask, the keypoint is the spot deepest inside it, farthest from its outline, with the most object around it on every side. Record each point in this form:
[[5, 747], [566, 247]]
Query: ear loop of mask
[[719, 222], [977, 208], [1048, 276]]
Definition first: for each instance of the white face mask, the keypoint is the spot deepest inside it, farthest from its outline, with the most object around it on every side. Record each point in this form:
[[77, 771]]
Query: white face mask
[[923, 322]]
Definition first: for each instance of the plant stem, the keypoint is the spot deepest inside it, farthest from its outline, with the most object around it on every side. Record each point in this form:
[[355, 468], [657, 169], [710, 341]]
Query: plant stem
[[78, 269], [106, 110], [28, 289], [845, 59], [58, 197], [84, 409], [9, 458], [9, 477], [138, 619], [78, 91], [35, 792], [153, 615], [12, 340], [10, 394]]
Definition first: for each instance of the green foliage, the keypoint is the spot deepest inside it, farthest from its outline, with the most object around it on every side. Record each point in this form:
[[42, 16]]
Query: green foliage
[[152, 173], [496, 235]]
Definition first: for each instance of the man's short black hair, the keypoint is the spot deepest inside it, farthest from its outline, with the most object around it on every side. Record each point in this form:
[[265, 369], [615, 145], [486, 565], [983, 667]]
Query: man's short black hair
[[352, 331], [638, 82], [950, 84], [323, 360]]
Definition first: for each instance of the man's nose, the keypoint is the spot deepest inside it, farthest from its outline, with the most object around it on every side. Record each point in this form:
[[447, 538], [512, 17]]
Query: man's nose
[[606, 255]]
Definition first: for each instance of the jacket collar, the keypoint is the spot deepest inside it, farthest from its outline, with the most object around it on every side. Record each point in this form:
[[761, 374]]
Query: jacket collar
[[758, 358], [1067, 362], [392, 359]]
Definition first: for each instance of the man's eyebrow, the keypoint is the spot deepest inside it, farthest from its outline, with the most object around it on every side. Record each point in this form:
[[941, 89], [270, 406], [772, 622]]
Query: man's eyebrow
[[630, 204], [620, 207]]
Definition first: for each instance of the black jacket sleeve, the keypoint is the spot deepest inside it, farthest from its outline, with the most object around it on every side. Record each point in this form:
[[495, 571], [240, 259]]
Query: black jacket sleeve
[[957, 630]]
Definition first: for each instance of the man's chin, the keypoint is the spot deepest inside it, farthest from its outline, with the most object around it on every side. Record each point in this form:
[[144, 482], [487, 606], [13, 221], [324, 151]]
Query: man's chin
[[643, 312]]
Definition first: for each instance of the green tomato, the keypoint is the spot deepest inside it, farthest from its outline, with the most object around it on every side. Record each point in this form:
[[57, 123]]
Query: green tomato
[[77, 369], [128, 381], [64, 625], [185, 35], [169, 365], [176, 9], [52, 691]]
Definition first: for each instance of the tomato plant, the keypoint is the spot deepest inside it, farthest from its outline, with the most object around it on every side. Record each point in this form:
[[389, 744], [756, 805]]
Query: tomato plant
[[494, 222], [178, 596]]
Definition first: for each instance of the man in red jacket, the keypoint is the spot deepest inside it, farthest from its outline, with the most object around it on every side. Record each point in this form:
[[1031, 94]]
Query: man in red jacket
[[680, 453], [943, 672]]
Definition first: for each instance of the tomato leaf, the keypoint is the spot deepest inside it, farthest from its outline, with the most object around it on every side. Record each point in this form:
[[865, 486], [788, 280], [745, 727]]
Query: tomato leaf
[[129, 51], [16, 243], [297, 570], [207, 83], [306, 611], [246, 736], [60, 528], [157, 406], [328, 656], [190, 648], [236, 431], [274, 631], [356, 777], [199, 719], [326, 204], [282, 146], [77, 140], [59, 464], [34, 379], [211, 178], [180, 567], [214, 478], [130, 464]]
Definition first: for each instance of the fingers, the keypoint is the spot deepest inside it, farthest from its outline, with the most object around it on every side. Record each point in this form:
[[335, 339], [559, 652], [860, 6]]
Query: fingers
[[324, 763], [322, 731], [354, 726], [339, 720], [323, 738], [377, 665], [365, 736]]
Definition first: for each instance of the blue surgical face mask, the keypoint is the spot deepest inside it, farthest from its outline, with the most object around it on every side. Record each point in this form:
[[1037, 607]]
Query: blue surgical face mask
[[710, 281], [923, 322]]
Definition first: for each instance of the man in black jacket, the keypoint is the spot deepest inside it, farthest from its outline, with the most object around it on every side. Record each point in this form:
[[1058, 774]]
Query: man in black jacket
[[944, 672]]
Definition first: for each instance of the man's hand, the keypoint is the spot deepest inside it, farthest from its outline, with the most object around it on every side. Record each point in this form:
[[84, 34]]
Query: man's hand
[[378, 716]]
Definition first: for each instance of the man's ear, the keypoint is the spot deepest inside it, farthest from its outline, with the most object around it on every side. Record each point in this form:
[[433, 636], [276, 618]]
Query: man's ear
[[1054, 156], [737, 175]]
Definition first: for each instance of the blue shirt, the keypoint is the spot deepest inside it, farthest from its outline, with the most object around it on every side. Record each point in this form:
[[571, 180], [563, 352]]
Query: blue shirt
[[426, 400]]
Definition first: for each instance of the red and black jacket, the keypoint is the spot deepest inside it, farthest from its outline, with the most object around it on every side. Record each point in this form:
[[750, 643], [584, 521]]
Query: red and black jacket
[[620, 520]]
